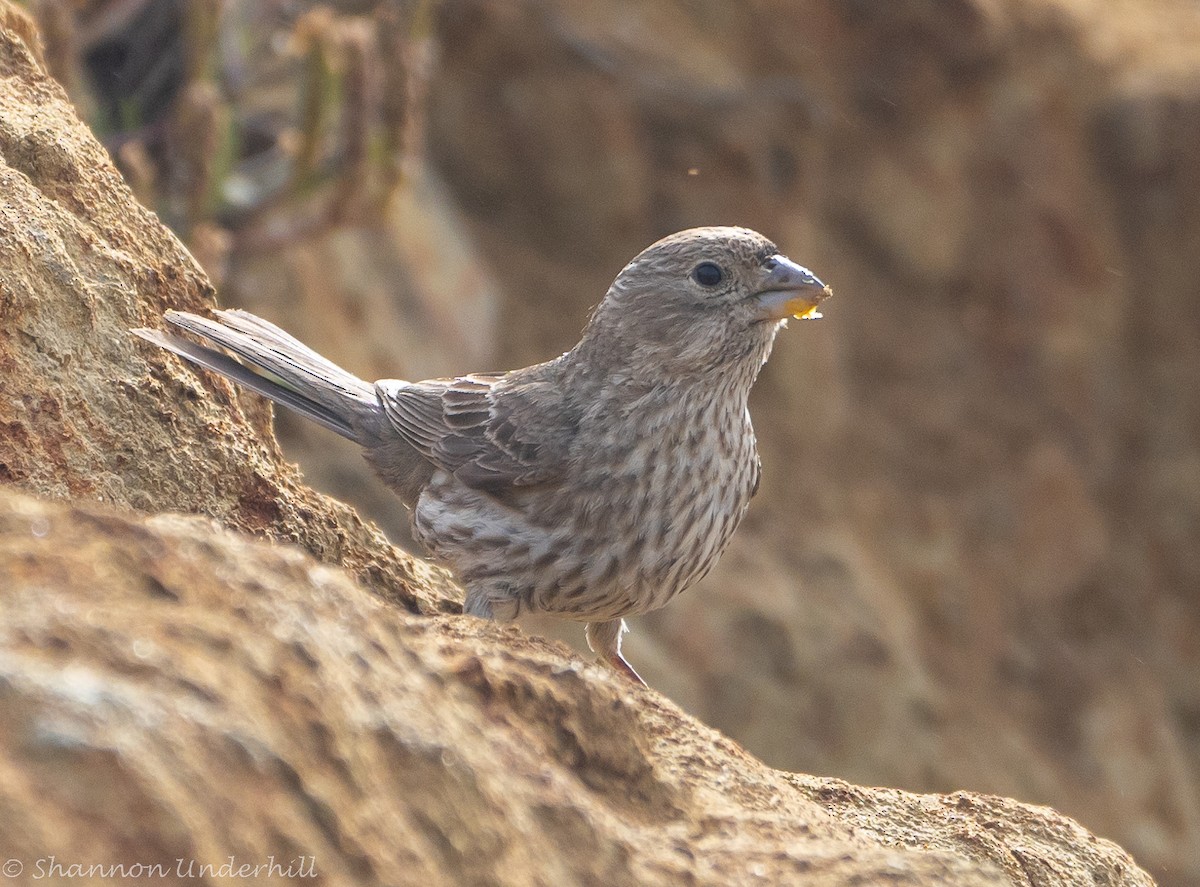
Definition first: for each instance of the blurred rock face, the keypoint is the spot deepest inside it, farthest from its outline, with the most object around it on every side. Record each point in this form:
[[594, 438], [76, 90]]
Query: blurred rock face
[[974, 559]]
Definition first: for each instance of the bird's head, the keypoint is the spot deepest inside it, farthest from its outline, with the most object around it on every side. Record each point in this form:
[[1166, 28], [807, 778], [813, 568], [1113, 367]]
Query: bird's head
[[702, 303]]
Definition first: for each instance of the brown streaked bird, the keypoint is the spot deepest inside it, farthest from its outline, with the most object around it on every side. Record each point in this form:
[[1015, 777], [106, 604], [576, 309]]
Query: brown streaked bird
[[591, 487]]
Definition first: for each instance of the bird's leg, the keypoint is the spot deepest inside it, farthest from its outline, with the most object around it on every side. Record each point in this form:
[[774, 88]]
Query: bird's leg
[[478, 604], [604, 639]]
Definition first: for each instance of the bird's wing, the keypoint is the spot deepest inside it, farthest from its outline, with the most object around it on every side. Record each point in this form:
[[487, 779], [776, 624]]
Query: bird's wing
[[491, 431]]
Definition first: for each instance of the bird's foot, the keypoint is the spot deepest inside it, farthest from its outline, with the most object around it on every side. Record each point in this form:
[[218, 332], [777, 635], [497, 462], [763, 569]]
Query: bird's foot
[[619, 664], [605, 639]]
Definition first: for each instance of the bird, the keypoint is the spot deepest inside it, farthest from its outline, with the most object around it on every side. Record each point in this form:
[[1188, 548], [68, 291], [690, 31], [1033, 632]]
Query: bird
[[594, 486]]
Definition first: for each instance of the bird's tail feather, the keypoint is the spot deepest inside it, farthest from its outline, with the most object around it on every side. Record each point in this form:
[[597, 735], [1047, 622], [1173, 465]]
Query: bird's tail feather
[[277, 366]]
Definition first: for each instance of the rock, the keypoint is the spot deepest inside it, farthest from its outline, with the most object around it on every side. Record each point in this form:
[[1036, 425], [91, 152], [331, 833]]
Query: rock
[[89, 412], [174, 694]]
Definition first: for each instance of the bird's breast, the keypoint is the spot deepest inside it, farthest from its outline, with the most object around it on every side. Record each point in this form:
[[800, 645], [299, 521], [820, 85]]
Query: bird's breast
[[666, 495], [641, 514]]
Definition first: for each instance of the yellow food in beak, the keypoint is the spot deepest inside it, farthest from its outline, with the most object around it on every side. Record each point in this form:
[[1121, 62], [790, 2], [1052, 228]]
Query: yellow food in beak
[[803, 308]]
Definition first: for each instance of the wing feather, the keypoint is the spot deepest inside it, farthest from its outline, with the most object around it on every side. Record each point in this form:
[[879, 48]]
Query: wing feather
[[492, 432]]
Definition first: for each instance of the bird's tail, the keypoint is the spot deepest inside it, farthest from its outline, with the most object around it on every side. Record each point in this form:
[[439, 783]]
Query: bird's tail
[[277, 366]]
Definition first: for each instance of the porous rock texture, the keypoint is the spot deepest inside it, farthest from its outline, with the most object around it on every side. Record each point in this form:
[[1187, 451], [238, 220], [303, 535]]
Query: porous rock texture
[[174, 690], [171, 690]]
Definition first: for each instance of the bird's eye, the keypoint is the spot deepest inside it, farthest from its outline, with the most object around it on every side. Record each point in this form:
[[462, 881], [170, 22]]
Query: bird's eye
[[708, 274]]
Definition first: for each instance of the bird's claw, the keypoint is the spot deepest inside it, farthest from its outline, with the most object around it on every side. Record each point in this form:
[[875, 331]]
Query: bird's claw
[[619, 664]]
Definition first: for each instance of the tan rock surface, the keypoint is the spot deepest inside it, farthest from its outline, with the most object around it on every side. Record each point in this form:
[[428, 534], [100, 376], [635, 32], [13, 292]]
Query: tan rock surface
[[89, 412], [172, 691]]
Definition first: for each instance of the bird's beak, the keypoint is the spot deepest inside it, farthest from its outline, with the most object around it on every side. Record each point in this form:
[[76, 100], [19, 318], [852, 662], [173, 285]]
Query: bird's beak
[[789, 290]]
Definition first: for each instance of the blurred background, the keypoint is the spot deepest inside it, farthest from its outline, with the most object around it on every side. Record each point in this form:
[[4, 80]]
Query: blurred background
[[974, 562]]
